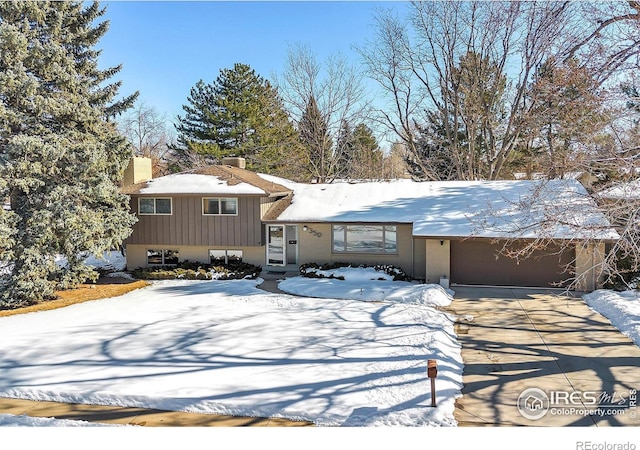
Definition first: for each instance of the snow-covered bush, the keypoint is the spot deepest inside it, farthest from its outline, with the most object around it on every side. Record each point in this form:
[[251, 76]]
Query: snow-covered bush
[[328, 270]]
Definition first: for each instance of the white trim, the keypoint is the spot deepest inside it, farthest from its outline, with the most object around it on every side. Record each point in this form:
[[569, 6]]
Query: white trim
[[284, 246]]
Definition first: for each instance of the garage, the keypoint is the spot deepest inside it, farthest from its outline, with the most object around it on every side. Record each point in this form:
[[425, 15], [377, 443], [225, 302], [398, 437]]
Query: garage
[[478, 261]]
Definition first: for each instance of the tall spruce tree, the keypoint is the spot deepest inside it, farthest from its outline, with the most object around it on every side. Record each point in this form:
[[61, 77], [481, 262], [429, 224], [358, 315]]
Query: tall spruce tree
[[61, 158], [344, 151], [315, 137], [239, 114], [367, 163]]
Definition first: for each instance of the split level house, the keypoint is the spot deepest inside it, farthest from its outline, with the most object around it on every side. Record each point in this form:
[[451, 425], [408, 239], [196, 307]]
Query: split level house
[[436, 232]]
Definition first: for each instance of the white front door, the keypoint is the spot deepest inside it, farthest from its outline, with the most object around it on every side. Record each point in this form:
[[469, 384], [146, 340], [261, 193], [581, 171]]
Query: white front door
[[275, 245]]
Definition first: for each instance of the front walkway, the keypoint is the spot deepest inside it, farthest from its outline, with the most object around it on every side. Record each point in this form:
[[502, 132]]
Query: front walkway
[[518, 339], [272, 278]]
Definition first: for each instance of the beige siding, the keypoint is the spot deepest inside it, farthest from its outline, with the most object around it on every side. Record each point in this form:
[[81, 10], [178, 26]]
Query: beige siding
[[265, 204], [318, 249], [187, 226], [589, 260], [419, 248], [137, 254], [438, 252]]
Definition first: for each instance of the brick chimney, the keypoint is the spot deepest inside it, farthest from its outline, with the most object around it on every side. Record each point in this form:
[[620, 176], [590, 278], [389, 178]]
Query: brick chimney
[[138, 170], [234, 161]]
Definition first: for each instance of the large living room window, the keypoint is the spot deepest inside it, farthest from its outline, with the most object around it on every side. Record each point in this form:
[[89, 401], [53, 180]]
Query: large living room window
[[364, 239], [216, 206], [162, 257], [154, 206]]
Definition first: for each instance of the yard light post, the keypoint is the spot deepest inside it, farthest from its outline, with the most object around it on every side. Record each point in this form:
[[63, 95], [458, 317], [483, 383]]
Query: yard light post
[[432, 373]]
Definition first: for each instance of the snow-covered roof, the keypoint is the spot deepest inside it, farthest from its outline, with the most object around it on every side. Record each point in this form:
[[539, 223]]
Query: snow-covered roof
[[543, 176], [197, 184], [456, 208], [629, 190], [216, 179]]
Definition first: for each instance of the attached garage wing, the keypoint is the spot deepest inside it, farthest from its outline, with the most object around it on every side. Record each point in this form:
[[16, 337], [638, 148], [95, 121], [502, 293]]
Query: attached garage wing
[[478, 261]]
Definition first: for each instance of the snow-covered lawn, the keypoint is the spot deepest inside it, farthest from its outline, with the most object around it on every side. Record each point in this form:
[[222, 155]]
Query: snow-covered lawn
[[363, 284], [621, 308], [10, 420], [228, 347]]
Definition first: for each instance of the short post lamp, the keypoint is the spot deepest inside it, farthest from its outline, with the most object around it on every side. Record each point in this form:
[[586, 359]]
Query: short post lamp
[[432, 373]]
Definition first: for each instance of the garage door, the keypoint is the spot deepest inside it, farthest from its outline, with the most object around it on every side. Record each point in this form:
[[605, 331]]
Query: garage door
[[474, 261]]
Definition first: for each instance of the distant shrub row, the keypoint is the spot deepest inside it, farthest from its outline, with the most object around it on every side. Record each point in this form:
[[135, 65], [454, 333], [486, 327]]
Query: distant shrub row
[[188, 270]]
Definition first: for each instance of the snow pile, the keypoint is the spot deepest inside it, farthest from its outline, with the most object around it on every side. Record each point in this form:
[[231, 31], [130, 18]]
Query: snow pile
[[359, 284], [366, 284], [351, 273], [229, 348], [112, 261], [621, 308]]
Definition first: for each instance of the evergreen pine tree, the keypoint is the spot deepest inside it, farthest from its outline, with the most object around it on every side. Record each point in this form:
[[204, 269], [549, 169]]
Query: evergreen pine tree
[[344, 151], [367, 158], [240, 114], [314, 133], [61, 158]]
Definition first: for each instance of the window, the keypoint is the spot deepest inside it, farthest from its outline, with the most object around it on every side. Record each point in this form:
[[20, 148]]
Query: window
[[225, 256], [150, 206], [220, 206], [365, 239], [162, 257]]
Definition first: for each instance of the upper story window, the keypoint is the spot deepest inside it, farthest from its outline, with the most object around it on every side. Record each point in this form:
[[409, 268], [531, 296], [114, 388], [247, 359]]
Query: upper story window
[[151, 205], [365, 239], [216, 206]]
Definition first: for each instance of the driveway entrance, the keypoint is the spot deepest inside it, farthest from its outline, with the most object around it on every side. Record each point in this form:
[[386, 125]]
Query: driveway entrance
[[546, 343]]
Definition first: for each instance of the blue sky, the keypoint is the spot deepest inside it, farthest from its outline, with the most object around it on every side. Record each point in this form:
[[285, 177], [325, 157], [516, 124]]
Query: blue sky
[[166, 47]]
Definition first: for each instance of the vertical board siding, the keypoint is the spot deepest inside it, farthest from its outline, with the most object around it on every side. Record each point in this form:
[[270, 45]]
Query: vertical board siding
[[188, 226]]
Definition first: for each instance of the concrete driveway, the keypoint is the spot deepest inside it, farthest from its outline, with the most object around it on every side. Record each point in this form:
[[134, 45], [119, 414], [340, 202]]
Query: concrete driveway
[[551, 345]]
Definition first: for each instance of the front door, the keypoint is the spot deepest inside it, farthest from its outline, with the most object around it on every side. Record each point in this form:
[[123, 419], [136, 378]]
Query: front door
[[275, 245], [291, 234]]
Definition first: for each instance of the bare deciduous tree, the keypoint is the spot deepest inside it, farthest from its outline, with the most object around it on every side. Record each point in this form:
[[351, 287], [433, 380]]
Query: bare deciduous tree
[[444, 65], [336, 89], [147, 131]]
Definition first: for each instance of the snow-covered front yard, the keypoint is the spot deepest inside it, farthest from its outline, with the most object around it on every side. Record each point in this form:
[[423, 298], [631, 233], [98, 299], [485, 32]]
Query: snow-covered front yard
[[228, 347]]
